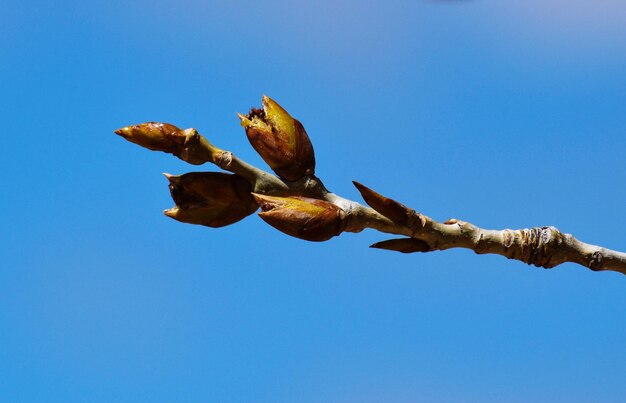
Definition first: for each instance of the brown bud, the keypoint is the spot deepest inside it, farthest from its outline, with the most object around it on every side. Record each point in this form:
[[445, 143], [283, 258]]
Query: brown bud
[[280, 140], [403, 245], [214, 199], [393, 210], [302, 217], [186, 144], [154, 136]]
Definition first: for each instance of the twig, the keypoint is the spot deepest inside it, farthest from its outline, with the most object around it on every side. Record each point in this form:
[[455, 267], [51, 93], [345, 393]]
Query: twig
[[302, 206]]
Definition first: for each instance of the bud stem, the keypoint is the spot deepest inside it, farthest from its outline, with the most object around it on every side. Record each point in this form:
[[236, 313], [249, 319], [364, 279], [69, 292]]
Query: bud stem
[[261, 181]]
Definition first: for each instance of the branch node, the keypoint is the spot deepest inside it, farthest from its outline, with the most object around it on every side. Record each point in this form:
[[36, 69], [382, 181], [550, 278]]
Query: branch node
[[537, 245], [416, 222], [596, 261], [224, 159], [508, 238]]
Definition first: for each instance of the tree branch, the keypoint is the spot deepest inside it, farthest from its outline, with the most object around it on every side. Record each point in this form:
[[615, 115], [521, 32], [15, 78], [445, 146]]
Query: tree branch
[[545, 247], [299, 204]]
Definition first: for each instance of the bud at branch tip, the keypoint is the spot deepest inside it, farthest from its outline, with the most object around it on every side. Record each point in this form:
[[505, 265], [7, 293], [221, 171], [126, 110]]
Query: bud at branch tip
[[280, 140]]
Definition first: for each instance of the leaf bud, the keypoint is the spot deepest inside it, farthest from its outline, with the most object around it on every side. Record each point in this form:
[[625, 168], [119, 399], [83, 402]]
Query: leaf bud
[[403, 245], [302, 217], [393, 210], [213, 199], [280, 140], [186, 144]]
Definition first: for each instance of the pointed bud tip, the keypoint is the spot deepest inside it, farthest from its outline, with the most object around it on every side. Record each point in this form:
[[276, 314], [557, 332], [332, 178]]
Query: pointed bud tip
[[271, 106], [244, 120], [123, 131], [172, 179], [171, 212], [365, 192]]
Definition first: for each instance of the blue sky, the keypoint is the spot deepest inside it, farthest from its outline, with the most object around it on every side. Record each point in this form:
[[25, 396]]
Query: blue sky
[[507, 114]]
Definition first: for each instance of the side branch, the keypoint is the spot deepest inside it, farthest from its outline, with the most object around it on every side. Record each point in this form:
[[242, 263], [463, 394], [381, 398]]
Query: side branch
[[261, 181]]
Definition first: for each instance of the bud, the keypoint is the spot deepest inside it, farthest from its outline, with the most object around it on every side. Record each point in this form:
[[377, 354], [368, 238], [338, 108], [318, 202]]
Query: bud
[[187, 144], [280, 140], [403, 245], [154, 136], [393, 210], [213, 199], [302, 217]]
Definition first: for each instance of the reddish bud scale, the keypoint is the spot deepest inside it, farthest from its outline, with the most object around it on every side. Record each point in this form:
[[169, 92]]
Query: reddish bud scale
[[302, 217], [280, 140], [186, 144], [154, 136], [403, 245], [213, 199], [393, 210]]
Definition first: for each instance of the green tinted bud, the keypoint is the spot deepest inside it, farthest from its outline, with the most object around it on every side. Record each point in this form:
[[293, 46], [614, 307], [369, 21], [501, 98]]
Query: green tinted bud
[[186, 144], [302, 217], [213, 199], [280, 140]]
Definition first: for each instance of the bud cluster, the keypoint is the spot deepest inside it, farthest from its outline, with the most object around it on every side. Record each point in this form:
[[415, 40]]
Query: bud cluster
[[218, 199]]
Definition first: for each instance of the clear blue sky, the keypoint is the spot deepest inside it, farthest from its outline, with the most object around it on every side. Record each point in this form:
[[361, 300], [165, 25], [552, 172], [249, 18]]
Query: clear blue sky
[[503, 113]]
